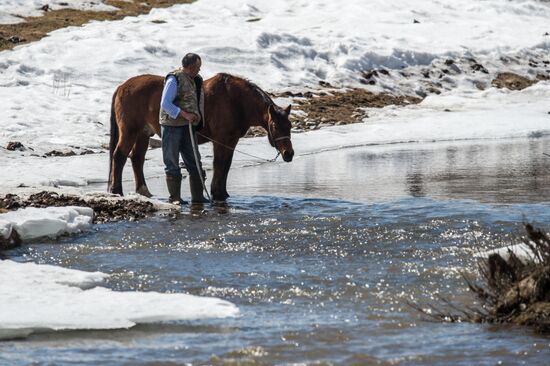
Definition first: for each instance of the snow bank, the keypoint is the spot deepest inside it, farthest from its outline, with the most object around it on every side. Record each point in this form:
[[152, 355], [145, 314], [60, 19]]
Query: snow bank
[[32, 223], [157, 204], [37, 297], [13, 10], [522, 251]]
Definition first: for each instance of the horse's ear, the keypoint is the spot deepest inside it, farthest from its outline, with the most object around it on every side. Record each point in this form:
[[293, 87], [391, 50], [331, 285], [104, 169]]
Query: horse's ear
[[287, 110], [271, 110]]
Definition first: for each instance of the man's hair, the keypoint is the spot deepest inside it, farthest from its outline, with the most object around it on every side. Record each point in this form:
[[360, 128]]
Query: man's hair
[[189, 59]]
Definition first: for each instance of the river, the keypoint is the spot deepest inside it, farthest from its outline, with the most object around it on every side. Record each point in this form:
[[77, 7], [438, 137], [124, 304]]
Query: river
[[322, 256]]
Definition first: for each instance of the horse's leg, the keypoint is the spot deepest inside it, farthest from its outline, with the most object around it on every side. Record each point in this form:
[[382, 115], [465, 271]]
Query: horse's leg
[[138, 159], [222, 162], [225, 173], [123, 148]]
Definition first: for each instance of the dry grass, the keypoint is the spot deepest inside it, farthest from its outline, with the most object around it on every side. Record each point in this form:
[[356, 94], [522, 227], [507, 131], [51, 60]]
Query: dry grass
[[346, 107], [512, 291]]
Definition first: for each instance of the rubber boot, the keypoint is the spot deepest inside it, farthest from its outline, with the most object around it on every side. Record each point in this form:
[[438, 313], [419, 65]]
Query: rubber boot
[[195, 186], [174, 189]]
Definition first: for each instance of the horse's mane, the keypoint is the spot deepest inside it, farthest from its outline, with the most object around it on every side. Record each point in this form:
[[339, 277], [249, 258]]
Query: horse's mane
[[266, 98]]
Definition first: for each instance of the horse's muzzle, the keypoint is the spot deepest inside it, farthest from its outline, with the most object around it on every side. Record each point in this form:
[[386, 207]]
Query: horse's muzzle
[[288, 155]]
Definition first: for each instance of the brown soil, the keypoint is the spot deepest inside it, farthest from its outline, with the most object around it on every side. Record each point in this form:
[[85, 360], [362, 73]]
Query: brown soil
[[327, 108], [104, 210], [35, 28], [345, 107], [512, 81]]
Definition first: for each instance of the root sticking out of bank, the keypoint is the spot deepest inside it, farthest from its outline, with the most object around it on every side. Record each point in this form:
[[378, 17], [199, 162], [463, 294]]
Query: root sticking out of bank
[[514, 288]]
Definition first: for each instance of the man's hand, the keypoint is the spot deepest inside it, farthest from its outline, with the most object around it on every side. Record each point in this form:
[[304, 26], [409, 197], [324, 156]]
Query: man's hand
[[191, 117]]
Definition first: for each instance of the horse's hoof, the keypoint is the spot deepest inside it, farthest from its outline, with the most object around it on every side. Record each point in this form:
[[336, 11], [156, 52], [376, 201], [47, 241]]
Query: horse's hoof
[[144, 191], [116, 191], [179, 202]]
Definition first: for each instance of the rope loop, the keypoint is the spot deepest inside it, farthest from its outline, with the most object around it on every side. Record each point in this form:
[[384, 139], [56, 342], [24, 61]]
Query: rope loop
[[242, 152]]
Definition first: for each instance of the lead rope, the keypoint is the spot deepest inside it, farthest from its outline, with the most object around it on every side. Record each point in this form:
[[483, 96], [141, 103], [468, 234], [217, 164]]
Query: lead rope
[[242, 152], [195, 153], [197, 163]]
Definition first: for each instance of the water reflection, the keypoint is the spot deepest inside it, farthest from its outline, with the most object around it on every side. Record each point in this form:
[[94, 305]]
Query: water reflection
[[415, 182], [494, 171]]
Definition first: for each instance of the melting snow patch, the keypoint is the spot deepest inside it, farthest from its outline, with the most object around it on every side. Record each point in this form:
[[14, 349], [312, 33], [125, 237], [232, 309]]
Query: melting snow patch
[[45, 297], [521, 251], [32, 223]]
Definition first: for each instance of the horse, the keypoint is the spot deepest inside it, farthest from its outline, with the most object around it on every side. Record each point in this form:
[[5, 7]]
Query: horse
[[232, 106]]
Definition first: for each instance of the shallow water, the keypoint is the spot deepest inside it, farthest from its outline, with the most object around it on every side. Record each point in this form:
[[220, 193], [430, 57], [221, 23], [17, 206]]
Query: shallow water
[[322, 257]]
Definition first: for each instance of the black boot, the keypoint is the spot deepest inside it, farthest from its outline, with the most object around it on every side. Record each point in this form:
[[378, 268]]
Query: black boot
[[174, 189], [195, 186]]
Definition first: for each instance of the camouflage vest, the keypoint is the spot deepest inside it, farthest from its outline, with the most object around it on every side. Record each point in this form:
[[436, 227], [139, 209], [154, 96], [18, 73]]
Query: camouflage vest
[[188, 98]]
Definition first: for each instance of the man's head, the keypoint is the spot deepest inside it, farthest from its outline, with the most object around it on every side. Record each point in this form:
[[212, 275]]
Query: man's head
[[191, 64]]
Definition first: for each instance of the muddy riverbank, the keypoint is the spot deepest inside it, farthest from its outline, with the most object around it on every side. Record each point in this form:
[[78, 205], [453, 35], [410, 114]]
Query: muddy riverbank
[[106, 209]]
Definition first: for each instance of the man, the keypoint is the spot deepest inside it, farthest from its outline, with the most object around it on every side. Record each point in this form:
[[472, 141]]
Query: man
[[182, 103]]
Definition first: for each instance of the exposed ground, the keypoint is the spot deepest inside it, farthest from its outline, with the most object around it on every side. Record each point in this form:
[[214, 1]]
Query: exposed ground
[[105, 210], [516, 82], [329, 107], [511, 290], [35, 28], [338, 108]]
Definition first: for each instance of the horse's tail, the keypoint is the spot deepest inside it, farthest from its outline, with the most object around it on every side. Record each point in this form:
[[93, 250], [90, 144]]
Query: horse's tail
[[114, 137]]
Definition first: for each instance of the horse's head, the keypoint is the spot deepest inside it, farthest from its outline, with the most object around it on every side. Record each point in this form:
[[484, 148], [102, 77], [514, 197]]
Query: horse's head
[[278, 131]]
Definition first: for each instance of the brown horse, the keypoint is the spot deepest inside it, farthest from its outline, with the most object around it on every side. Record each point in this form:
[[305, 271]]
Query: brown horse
[[232, 106]]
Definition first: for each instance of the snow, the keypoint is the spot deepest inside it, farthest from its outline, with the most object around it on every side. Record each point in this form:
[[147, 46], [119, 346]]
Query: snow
[[31, 223], [521, 251], [12, 11], [48, 298]]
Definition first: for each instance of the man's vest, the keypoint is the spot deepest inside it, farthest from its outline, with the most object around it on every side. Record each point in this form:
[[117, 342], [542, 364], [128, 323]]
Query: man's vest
[[189, 98]]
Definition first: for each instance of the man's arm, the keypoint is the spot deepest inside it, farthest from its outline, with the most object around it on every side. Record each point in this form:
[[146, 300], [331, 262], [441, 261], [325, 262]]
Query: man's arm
[[168, 95]]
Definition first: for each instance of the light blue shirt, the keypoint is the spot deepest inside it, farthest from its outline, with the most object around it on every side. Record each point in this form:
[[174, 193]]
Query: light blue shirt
[[169, 93]]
